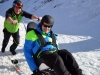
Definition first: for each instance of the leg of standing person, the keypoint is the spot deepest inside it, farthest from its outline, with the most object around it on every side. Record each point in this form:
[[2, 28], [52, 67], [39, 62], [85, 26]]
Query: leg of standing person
[[5, 40], [70, 62], [15, 42], [54, 61]]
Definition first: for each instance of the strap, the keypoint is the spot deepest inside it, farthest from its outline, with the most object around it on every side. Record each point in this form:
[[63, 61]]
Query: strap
[[53, 40], [43, 42]]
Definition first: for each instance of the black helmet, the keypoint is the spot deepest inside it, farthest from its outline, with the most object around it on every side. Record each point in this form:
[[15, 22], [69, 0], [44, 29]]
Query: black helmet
[[47, 19], [17, 2]]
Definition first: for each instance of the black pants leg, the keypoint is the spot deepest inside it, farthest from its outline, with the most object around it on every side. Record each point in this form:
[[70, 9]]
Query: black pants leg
[[15, 41], [53, 60], [70, 62], [5, 40]]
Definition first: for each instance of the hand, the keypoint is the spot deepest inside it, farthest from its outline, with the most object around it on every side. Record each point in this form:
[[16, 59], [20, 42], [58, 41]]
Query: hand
[[39, 18], [15, 22]]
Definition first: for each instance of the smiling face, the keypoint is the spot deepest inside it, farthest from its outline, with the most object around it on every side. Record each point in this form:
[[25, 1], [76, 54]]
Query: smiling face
[[18, 8], [46, 27]]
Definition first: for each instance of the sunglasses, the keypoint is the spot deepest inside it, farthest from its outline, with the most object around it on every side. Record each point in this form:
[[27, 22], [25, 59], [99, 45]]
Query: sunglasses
[[19, 5], [47, 26]]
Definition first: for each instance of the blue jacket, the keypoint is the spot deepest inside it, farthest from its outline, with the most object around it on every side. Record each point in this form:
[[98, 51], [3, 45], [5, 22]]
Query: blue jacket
[[32, 44]]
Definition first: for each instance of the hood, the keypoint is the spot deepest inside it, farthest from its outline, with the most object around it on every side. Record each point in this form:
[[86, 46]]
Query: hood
[[39, 29]]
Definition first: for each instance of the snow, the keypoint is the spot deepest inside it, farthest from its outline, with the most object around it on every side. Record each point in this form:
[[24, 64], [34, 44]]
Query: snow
[[76, 24]]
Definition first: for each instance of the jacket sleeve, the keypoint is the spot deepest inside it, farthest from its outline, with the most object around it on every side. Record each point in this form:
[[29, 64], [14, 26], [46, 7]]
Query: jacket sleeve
[[29, 54], [9, 13], [26, 14]]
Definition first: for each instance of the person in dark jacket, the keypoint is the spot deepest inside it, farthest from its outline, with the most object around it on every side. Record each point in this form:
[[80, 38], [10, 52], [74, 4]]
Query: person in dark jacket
[[61, 60], [12, 21]]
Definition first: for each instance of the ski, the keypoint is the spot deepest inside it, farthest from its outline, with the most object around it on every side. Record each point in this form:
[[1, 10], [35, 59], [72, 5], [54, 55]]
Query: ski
[[17, 67], [15, 64]]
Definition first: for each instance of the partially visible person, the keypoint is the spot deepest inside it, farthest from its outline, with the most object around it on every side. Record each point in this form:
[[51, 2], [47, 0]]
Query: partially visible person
[[61, 60], [12, 21]]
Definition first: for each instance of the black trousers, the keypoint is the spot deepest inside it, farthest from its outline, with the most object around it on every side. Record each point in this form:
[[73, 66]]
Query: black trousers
[[7, 36], [62, 62]]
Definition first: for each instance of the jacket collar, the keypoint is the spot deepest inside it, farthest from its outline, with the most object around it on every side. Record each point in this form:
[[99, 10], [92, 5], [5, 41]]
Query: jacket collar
[[39, 30]]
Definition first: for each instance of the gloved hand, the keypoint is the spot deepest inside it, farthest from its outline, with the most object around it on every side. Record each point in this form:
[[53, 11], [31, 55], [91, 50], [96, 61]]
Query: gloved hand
[[37, 72]]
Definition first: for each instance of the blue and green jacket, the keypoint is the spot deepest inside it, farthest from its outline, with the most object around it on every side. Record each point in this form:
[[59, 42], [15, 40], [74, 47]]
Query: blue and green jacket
[[32, 44]]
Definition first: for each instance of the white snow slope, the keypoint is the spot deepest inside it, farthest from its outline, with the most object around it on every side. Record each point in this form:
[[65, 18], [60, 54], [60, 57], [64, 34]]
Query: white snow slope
[[77, 23]]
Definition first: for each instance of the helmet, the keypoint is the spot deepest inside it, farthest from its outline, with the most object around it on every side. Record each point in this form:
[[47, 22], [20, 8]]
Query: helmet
[[17, 3], [47, 19]]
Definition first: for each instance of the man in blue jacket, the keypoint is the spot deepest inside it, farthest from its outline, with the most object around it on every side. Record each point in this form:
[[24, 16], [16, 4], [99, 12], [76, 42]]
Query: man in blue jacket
[[61, 61]]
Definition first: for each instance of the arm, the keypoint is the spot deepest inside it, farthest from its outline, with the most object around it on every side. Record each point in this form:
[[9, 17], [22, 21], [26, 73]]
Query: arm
[[9, 19], [9, 16], [37, 18], [28, 54], [28, 50], [31, 16]]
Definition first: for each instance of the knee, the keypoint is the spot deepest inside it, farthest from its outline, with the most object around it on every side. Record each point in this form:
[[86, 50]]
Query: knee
[[16, 42], [66, 51], [57, 58]]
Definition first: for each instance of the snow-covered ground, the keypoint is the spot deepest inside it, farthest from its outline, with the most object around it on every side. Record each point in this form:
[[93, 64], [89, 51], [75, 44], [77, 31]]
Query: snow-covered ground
[[77, 23]]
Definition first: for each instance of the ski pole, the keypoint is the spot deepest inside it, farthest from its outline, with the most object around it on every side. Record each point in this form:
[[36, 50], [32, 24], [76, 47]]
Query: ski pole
[[24, 25]]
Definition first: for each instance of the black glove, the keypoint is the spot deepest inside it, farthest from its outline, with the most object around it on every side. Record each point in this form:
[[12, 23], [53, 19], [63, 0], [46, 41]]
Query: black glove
[[37, 72]]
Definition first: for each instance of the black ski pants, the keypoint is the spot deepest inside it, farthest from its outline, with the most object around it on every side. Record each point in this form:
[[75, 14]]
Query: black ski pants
[[7, 36], [62, 62]]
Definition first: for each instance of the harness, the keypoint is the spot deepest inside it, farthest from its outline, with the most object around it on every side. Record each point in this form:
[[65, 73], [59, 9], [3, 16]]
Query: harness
[[43, 43]]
